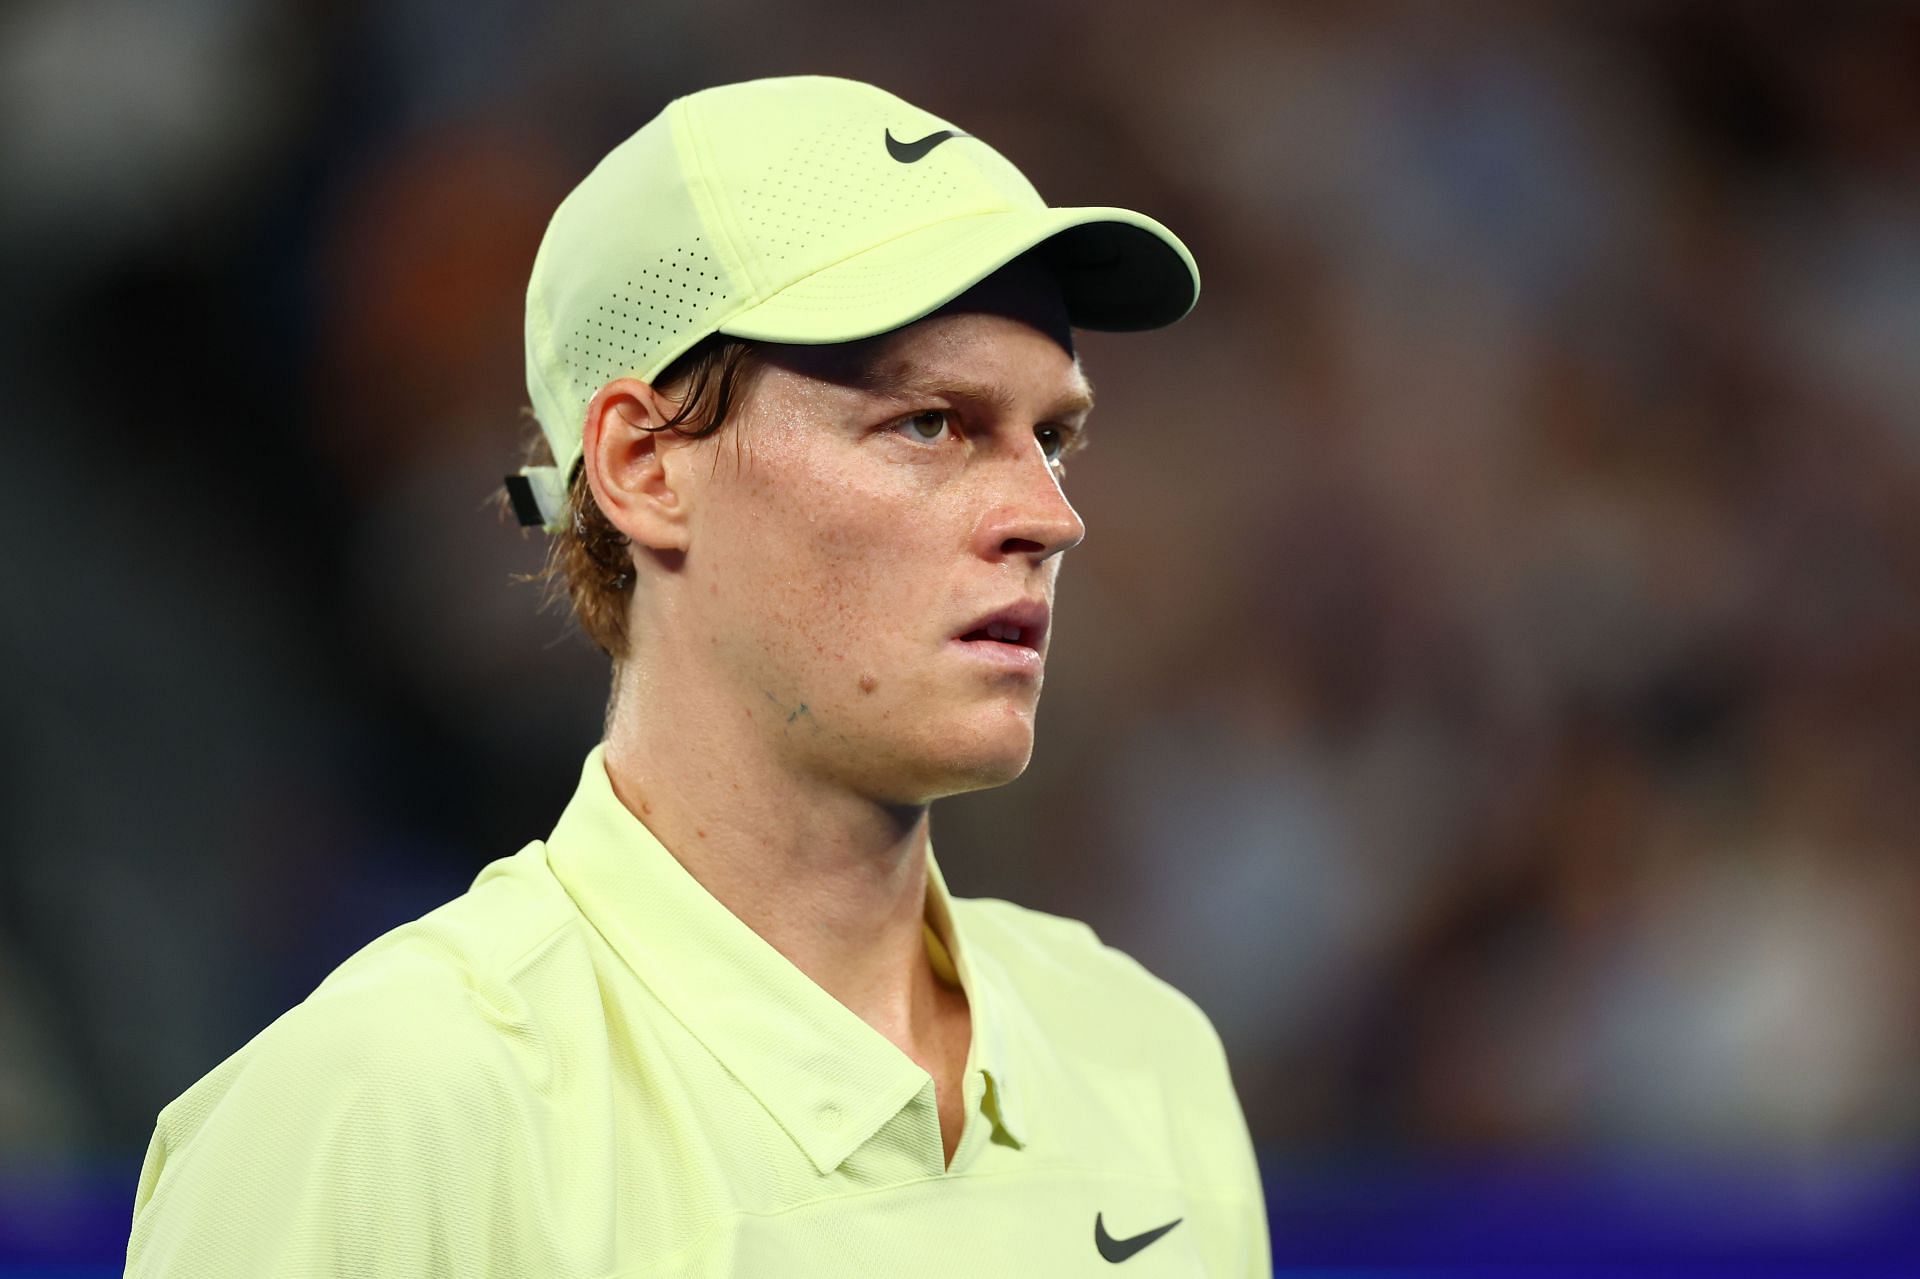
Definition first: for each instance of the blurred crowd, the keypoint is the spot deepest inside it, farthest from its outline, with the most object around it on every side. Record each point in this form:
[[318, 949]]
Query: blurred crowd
[[1491, 683]]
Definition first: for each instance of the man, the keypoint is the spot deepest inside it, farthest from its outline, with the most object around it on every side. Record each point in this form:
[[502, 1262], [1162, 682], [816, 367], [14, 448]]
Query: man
[[802, 355]]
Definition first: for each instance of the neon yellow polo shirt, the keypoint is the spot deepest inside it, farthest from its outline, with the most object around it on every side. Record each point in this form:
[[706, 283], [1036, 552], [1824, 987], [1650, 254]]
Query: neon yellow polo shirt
[[586, 1066]]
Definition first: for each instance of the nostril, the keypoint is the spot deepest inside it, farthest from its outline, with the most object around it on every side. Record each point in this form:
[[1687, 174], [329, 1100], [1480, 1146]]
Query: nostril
[[1021, 546]]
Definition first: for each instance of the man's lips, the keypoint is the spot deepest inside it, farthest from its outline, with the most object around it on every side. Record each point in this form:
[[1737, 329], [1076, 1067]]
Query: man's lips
[[1022, 624], [1011, 637]]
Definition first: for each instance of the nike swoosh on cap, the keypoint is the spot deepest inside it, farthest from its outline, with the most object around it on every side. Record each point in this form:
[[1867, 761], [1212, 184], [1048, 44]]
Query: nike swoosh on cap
[[913, 152], [1118, 1250]]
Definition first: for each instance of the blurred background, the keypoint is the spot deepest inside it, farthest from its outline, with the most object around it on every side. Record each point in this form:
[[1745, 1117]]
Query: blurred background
[[1490, 687]]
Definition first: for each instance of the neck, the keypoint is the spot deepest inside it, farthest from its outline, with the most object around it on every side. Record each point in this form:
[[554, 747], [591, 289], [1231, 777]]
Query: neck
[[834, 881]]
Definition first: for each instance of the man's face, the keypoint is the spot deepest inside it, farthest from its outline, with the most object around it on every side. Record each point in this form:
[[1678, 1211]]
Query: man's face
[[870, 527]]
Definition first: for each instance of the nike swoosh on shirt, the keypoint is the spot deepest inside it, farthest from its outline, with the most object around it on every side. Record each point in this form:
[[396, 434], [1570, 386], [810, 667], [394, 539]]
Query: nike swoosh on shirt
[[914, 152], [1118, 1250]]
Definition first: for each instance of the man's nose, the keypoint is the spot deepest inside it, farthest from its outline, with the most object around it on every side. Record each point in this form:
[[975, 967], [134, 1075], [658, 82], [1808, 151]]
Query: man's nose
[[1032, 516]]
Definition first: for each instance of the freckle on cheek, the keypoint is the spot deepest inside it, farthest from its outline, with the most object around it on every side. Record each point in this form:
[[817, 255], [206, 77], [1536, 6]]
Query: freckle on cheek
[[868, 683], [646, 809]]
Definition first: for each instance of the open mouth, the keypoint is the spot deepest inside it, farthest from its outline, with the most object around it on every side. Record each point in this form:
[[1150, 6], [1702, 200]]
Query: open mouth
[[1004, 633], [1009, 638]]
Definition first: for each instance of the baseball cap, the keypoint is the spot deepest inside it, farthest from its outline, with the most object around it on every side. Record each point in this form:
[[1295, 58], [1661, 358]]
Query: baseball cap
[[803, 209]]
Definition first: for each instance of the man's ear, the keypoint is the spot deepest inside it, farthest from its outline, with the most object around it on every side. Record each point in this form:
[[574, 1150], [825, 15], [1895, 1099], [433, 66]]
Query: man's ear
[[626, 464]]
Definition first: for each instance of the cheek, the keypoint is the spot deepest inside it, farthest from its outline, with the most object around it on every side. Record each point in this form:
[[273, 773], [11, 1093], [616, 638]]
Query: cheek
[[829, 572]]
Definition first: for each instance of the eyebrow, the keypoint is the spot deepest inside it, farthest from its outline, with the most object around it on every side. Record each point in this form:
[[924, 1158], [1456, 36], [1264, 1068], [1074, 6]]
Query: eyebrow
[[905, 386]]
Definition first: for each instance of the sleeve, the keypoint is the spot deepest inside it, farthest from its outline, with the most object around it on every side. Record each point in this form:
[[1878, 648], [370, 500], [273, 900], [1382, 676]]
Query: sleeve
[[1238, 1156], [345, 1142], [1259, 1237], [1218, 1151]]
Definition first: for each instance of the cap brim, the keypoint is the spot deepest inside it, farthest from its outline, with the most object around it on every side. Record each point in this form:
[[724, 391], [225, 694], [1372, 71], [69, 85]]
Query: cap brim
[[1118, 270]]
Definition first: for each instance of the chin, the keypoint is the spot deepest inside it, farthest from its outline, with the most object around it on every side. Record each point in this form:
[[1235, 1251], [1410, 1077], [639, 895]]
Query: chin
[[947, 759], [966, 761]]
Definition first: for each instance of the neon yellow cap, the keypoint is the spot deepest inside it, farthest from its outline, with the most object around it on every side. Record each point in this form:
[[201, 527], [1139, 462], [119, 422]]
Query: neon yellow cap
[[805, 209]]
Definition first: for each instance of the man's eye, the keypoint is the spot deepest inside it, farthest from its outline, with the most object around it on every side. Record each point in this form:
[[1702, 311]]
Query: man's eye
[[926, 426], [1053, 441]]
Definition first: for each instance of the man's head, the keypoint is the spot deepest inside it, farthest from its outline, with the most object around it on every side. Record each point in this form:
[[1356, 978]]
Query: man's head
[[861, 563], [802, 355]]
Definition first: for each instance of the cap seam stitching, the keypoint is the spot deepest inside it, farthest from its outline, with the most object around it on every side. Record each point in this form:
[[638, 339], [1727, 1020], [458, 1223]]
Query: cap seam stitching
[[707, 198], [900, 235]]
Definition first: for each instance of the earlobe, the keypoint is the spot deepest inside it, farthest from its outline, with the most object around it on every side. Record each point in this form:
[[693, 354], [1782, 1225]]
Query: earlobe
[[625, 455]]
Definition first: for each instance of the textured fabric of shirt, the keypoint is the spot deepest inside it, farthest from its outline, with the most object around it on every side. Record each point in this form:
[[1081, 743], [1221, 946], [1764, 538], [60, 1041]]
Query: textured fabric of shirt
[[586, 1066]]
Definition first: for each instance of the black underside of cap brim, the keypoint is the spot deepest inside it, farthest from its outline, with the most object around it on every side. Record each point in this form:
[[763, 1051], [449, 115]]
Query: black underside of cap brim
[[1118, 278]]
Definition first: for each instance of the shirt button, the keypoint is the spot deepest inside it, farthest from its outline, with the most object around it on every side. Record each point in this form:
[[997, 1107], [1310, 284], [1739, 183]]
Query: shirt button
[[828, 1115]]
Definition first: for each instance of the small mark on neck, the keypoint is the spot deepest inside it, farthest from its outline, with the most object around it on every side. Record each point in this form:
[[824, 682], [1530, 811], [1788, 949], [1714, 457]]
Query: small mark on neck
[[868, 683]]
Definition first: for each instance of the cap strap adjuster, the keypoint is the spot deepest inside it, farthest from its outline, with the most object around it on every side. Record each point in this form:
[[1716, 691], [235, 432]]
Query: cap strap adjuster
[[536, 496]]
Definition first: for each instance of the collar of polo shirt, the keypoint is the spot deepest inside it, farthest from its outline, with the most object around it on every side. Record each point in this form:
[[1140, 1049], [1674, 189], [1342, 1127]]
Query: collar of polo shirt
[[827, 1078]]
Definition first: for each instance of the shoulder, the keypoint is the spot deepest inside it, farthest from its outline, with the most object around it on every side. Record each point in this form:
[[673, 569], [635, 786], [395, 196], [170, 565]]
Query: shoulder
[[479, 941], [1074, 982], [429, 1009], [397, 1088], [439, 1002], [1093, 1002]]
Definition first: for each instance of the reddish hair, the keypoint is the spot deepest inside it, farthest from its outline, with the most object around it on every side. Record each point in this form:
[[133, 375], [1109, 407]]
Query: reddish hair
[[588, 561]]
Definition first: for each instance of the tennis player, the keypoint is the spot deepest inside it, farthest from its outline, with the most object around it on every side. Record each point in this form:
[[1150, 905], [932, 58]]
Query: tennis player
[[802, 355]]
